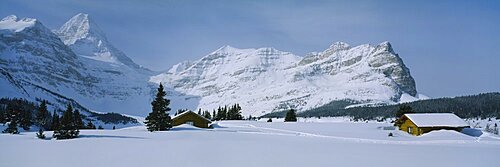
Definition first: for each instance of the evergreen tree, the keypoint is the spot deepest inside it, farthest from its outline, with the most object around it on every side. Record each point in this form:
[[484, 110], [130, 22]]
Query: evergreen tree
[[40, 134], [114, 127], [199, 111], [42, 116], [270, 120], [12, 127], [207, 115], [291, 116], [158, 119], [56, 123], [219, 114], [78, 120], [100, 127], [25, 120], [90, 125], [68, 129], [234, 112], [213, 115], [2, 116], [12, 117]]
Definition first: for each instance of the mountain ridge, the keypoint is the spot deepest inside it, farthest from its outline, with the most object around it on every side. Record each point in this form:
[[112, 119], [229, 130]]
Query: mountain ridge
[[218, 76], [102, 78]]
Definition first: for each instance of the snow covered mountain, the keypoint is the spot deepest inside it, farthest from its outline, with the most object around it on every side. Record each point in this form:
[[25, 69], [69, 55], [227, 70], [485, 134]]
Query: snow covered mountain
[[86, 39], [77, 63], [266, 80], [85, 69]]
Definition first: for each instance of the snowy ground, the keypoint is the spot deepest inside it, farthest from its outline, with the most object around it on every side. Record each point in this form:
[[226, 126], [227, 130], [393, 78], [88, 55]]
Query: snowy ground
[[253, 143]]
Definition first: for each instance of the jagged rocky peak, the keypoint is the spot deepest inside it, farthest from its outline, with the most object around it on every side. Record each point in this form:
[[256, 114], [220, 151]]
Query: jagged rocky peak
[[339, 46], [86, 39], [385, 47], [384, 59], [78, 27]]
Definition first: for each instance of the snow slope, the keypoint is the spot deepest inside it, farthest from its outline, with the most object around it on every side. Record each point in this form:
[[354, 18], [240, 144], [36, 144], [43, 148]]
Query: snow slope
[[251, 143]]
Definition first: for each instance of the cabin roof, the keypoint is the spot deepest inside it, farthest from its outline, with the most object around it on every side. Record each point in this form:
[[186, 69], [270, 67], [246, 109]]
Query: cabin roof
[[436, 120], [186, 112]]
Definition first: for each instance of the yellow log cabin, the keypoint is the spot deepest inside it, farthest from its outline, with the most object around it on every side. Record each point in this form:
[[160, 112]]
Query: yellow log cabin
[[418, 124], [191, 118]]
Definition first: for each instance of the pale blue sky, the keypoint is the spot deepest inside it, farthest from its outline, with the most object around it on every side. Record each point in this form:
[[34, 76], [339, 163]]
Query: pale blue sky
[[451, 47]]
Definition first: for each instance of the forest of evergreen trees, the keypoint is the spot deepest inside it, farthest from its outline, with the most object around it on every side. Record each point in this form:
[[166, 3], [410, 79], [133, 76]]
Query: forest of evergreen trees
[[483, 105], [24, 114]]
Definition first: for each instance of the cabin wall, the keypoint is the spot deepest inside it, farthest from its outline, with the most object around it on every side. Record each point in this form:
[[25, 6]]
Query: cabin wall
[[197, 121], [428, 129], [409, 124]]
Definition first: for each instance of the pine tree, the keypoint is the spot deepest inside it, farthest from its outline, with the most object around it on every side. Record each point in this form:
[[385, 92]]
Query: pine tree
[[90, 125], [270, 120], [207, 115], [42, 116], [78, 120], [213, 115], [234, 112], [199, 111], [68, 129], [25, 120], [12, 117], [56, 123], [40, 134], [100, 127], [2, 116], [12, 127], [291, 116], [158, 119]]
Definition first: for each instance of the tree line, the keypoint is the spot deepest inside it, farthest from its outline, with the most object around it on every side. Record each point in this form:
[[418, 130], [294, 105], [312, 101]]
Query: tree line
[[18, 113], [484, 105]]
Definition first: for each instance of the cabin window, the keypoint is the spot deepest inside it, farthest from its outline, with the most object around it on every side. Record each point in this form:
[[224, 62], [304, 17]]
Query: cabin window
[[190, 123], [410, 130]]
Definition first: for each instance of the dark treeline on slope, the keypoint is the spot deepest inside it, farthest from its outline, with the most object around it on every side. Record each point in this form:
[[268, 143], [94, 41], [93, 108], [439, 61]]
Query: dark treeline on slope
[[232, 112], [27, 113], [482, 105]]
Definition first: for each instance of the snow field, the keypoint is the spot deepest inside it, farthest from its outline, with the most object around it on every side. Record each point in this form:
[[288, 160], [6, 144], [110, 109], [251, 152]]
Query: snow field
[[252, 143]]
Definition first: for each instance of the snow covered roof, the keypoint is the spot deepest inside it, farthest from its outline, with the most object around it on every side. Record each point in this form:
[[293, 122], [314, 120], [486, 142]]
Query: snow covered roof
[[436, 120], [184, 113]]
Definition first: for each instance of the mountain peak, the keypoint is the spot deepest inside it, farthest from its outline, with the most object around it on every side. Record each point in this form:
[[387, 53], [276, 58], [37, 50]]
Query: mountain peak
[[78, 27], [385, 47], [13, 23], [339, 46], [225, 49]]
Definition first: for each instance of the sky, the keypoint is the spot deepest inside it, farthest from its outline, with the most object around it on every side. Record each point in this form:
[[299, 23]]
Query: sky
[[451, 47]]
